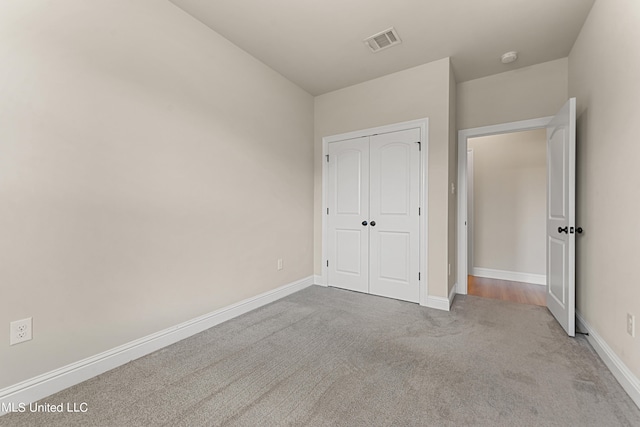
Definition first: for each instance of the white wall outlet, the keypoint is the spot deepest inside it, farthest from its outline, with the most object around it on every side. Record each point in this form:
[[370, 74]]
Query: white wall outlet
[[279, 264], [453, 188], [631, 324], [20, 331], [449, 269]]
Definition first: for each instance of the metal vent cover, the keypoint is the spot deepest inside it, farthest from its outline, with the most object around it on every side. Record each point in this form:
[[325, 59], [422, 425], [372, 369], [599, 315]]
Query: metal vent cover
[[383, 40]]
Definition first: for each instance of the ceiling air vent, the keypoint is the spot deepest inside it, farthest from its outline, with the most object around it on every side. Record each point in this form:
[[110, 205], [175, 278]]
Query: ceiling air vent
[[383, 40]]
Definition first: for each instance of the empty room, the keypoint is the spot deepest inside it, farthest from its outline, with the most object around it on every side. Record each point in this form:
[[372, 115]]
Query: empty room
[[264, 213]]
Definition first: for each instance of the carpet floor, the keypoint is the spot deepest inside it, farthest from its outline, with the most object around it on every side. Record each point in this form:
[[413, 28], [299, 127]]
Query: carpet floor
[[328, 357]]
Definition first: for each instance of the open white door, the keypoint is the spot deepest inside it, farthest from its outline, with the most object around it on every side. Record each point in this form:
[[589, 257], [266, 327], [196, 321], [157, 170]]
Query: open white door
[[561, 171]]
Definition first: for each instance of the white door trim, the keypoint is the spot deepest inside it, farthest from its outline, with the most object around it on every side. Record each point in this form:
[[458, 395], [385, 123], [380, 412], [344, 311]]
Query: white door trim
[[470, 199], [423, 125], [463, 136]]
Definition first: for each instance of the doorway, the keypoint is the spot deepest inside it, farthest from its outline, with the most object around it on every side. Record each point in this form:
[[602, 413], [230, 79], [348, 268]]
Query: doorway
[[506, 216], [561, 229], [463, 212]]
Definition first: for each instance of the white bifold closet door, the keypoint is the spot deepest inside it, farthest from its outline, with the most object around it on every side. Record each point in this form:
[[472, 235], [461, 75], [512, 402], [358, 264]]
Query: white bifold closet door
[[373, 217]]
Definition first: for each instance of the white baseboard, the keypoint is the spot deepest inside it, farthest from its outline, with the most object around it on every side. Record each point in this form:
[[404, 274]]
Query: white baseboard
[[625, 377], [441, 303], [452, 294], [54, 381], [514, 276], [319, 280]]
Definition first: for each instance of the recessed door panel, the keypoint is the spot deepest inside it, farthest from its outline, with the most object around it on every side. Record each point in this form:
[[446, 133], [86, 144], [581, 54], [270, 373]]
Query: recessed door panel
[[394, 256], [349, 179], [557, 193], [557, 274], [348, 251], [395, 178]]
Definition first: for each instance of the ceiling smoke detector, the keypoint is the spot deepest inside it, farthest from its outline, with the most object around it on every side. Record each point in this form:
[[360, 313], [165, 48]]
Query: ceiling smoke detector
[[509, 57], [383, 40]]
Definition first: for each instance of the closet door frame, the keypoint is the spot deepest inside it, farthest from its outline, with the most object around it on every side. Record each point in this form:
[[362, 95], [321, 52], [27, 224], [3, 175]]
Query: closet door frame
[[423, 125]]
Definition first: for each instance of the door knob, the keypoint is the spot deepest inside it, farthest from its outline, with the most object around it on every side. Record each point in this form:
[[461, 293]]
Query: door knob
[[579, 230], [563, 230], [364, 223], [373, 223]]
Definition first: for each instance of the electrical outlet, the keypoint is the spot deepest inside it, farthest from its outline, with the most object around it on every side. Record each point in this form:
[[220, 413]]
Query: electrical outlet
[[279, 264], [631, 324], [20, 331], [449, 269]]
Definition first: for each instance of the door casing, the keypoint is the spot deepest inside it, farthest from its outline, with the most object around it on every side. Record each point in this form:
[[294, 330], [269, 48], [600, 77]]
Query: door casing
[[423, 125], [470, 201]]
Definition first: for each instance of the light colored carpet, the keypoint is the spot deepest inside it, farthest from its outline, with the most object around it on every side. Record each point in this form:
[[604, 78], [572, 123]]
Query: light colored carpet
[[325, 357]]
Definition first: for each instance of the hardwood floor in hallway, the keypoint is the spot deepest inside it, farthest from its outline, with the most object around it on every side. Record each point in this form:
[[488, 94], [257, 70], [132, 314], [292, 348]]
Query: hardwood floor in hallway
[[524, 293]]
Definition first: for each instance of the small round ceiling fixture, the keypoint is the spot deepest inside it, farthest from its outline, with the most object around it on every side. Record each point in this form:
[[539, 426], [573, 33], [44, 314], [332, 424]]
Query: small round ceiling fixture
[[509, 57]]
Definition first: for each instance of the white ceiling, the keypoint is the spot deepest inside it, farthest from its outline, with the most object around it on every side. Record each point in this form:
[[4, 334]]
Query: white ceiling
[[318, 43]]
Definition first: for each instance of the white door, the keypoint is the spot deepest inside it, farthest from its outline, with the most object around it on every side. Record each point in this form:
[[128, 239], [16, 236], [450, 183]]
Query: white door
[[394, 221], [373, 208], [348, 205], [561, 168]]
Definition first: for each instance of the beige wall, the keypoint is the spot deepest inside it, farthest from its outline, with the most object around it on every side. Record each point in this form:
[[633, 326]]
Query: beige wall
[[509, 201], [150, 172], [415, 93], [526, 93], [604, 66]]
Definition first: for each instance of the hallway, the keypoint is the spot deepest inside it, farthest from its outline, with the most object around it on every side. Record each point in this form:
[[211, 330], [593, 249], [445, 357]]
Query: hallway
[[523, 293]]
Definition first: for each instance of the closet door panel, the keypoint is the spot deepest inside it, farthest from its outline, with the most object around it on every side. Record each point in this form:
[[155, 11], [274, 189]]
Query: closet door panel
[[348, 206], [394, 203]]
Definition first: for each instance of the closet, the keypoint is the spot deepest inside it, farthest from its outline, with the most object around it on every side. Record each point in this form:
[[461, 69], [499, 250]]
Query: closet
[[373, 216]]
